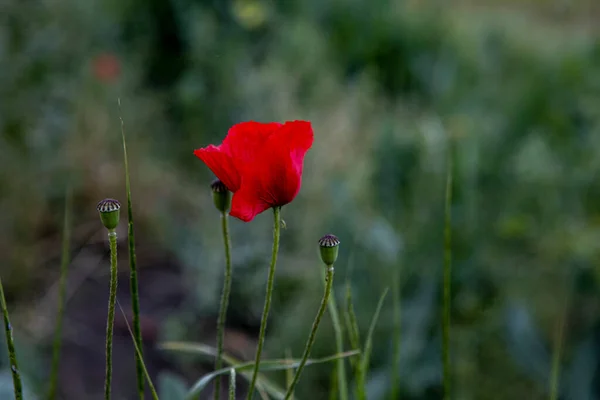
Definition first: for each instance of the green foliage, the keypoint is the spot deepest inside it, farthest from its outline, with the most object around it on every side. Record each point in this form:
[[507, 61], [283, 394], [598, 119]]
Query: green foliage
[[386, 83]]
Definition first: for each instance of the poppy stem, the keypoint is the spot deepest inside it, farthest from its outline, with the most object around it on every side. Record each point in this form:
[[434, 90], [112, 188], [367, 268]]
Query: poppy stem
[[232, 384], [265, 314], [224, 301], [10, 344], [313, 331], [112, 299]]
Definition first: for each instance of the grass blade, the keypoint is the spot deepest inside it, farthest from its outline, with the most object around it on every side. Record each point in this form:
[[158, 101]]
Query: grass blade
[[10, 344], [135, 298], [350, 318], [396, 298], [446, 280], [241, 367], [339, 342], [366, 355], [289, 373], [62, 290], [137, 350]]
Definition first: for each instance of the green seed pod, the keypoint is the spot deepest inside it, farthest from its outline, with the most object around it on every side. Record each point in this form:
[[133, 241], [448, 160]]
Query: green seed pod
[[221, 196], [109, 210], [329, 246]]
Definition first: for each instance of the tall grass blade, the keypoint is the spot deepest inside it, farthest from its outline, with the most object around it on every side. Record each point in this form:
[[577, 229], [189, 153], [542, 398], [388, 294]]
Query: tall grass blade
[[447, 278], [10, 344], [366, 354], [339, 342], [557, 351], [137, 350], [62, 290], [396, 298], [133, 280]]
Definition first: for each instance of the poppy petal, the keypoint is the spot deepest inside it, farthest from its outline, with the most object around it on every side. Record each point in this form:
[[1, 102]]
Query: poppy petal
[[276, 174], [221, 165], [246, 204], [244, 141]]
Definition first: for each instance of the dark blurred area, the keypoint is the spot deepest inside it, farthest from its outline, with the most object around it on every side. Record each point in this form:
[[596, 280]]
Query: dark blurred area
[[392, 87]]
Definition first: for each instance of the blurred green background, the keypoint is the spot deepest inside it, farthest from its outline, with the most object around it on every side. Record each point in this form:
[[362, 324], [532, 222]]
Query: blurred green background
[[392, 87]]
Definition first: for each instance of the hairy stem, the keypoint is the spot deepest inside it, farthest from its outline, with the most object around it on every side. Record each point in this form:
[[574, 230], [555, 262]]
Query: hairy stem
[[224, 302], [232, 384], [265, 314], [112, 299], [313, 331]]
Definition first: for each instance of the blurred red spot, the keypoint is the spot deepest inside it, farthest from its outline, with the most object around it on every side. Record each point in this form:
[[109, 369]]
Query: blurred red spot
[[106, 67]]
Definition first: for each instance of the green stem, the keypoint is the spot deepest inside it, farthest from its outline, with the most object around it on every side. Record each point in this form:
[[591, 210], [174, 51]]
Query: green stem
[[265, 314], [339, 344], [232, 384], [224, 302], [10, 344], [64, 265], [133, 280], [446, 283], [112, 237], [395, 392], [313, 331]]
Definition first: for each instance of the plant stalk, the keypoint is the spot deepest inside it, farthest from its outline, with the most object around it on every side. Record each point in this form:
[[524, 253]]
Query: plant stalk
[[313, 331], [267, 307], [112, 299], [224, 301]]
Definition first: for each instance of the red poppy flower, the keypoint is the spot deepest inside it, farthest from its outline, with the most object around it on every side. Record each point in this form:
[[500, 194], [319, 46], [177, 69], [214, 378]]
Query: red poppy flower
[[261, 163], [106, 67]]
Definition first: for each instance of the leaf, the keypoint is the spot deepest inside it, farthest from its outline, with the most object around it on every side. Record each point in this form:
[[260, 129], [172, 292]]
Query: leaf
[[263, 383], [366, 356], [171, 386]]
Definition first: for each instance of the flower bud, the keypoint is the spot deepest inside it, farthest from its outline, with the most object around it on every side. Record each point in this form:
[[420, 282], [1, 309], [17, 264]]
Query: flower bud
[[109, 213], [329, 246], [221, 196]]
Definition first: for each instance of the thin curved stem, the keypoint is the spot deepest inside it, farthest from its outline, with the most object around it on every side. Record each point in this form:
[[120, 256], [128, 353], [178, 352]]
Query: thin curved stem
[[10, 344], [224, 302], [112, 299], [313, 331], [267, 307]]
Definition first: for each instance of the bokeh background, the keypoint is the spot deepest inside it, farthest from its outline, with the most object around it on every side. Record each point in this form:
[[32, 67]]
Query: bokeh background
[[510, 88]]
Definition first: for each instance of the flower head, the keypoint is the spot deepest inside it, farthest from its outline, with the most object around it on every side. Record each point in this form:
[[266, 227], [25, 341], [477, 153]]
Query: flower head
[[261, 163], [109, 210], [329, 246]]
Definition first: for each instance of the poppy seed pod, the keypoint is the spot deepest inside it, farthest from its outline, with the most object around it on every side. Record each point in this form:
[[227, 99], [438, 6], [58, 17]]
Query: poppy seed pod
[[221, 195], [109, 210], [329, 246]]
